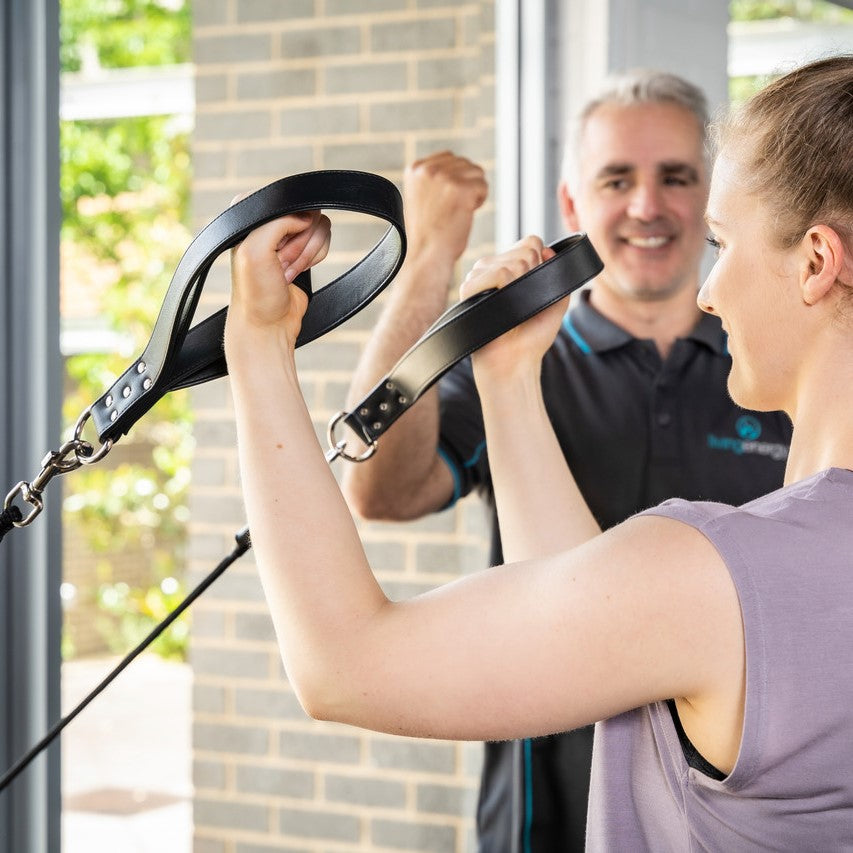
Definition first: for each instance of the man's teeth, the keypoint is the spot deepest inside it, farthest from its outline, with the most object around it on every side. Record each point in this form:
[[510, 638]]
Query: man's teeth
[[648, 242]]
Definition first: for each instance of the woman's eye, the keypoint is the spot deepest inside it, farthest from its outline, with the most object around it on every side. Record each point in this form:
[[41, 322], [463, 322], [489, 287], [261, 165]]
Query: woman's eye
[[713, 241]]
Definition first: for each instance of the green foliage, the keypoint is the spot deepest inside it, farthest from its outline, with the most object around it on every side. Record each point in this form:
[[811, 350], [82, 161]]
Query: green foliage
[[741, 89], [146, 156], [135, 612], [813, 11], [819, 11], [125, 201], [123, 33]]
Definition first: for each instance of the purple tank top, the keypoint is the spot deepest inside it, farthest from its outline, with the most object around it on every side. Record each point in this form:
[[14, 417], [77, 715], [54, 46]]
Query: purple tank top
[[790, 555]]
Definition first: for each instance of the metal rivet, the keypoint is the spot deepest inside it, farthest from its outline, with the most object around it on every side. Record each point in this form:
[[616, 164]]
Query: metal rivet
[[389, 386], [125, 392], [140, 368], [376, 425], [109, 400], [114, 415], [402, 400], [147, 383], [383, 407], [363, 411]]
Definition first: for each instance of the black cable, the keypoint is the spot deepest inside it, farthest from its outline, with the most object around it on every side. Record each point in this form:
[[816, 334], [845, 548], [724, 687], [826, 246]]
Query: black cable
[[244, 543], [8, 518]]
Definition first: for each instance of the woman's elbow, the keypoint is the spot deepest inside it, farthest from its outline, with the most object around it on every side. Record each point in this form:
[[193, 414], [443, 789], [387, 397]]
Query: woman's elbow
[[321, 698]]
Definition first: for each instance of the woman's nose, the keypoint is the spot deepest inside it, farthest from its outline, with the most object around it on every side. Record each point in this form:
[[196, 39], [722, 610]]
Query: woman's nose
[[703, 298]]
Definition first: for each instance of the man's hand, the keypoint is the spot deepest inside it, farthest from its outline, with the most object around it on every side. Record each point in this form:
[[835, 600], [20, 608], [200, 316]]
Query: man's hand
[[441, 192]]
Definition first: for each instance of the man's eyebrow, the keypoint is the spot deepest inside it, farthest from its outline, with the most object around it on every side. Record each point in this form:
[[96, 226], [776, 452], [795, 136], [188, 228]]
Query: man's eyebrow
[[611, 169], [677, 167], [667, 168]]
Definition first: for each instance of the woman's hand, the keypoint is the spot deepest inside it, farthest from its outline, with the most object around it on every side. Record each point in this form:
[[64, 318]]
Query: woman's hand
[[521, 349], [263, 268]]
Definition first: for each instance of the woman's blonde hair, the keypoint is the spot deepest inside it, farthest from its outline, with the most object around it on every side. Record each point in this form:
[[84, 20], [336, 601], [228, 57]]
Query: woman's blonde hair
[[794, 140]]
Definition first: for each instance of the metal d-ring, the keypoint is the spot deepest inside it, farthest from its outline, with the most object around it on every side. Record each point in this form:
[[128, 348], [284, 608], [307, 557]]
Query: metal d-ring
[[94, 455], [338, 448]]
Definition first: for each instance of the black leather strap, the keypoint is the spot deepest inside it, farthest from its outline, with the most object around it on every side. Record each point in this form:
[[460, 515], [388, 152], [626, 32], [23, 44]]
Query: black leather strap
[[467, 326], [177, 356]]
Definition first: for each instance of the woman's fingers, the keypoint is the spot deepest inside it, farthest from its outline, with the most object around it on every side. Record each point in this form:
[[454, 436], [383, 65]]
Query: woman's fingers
[[299, 251], [500, 270], [266, 263]]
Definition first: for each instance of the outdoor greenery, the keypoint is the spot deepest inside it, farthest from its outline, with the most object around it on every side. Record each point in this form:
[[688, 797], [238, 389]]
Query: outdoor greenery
[[819, 11], [814, 11], [125, 194], [124, 33]]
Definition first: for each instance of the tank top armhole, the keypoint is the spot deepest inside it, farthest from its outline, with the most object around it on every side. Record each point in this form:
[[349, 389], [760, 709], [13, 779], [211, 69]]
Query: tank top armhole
[[692, 755]]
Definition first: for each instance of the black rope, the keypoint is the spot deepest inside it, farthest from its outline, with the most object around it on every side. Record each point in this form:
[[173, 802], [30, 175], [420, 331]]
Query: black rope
[[8, 518], [244, 543]]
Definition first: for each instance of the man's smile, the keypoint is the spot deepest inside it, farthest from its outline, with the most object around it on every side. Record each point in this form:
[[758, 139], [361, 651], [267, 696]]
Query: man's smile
[[651, 242]]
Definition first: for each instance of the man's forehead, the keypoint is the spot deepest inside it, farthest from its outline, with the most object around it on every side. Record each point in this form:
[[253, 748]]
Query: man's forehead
[[652, 134]]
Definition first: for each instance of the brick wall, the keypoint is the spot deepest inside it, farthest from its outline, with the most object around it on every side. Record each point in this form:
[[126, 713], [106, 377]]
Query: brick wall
[[284, 87]]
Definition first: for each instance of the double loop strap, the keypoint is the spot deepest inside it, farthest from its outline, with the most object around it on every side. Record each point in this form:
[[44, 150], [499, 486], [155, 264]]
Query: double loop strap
[[463, 328], [178, 357]]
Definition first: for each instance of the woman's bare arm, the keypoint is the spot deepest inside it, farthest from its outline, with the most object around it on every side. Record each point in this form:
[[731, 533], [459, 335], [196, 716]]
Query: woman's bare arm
[[643, 612]]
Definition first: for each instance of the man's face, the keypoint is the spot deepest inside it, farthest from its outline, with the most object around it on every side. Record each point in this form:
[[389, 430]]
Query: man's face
[[641, 186]]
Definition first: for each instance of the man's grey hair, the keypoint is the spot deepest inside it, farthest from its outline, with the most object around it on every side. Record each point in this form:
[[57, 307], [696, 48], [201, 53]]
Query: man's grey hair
[[641, 86]]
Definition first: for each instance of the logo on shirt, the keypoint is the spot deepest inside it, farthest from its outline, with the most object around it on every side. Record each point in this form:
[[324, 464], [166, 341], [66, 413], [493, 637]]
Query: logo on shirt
[[745, 441], [748, 428]]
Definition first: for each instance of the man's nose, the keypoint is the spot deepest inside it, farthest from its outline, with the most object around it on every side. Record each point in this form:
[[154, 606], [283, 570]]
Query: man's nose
[[645, 202]]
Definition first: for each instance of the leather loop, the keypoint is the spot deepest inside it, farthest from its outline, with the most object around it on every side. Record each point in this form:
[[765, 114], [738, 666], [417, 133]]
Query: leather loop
[[178, 356], [467, 326]]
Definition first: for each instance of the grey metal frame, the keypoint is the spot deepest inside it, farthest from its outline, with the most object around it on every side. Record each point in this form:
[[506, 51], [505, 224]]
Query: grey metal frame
[[529, 114], [30, 393]]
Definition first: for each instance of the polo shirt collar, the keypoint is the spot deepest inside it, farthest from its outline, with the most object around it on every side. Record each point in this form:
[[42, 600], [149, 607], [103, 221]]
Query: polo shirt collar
[[709, 331], [593, 332]]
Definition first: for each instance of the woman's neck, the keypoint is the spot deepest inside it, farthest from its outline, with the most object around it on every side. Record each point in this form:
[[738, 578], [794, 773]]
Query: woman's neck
[[823, 429]]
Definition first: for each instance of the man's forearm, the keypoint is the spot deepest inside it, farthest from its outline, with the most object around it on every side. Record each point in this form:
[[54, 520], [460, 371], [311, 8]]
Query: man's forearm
[[405, 479]]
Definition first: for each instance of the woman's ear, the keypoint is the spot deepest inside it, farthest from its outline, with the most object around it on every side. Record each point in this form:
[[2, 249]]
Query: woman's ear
[[824, 258]]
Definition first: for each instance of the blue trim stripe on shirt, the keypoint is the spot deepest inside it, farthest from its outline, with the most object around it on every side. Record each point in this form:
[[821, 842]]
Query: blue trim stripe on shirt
[[527, 745], [454, 471], [475, 456], [576, 336], [457, 480]]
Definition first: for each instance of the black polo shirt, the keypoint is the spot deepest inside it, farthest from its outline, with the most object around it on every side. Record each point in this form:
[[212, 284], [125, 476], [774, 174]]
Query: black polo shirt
[[635, 430]]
